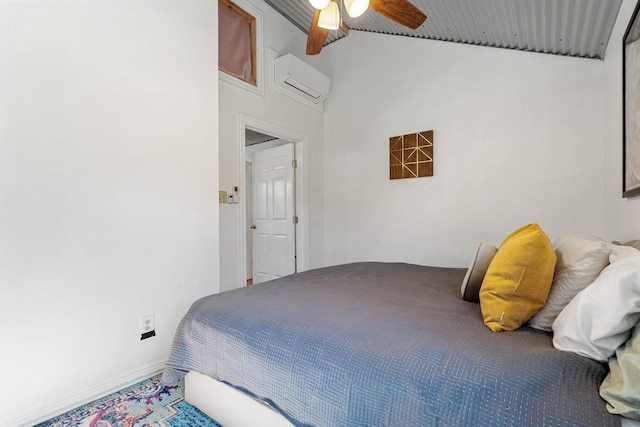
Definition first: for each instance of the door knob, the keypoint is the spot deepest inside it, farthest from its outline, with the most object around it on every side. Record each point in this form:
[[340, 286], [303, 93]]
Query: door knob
[[253, 226]]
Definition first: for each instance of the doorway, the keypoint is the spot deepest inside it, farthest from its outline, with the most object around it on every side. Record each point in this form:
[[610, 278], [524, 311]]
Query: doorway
[[259, 136]]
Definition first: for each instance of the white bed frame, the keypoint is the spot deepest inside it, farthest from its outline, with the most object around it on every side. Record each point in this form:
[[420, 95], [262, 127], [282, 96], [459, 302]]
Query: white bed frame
[[232, 408], [228, 406]]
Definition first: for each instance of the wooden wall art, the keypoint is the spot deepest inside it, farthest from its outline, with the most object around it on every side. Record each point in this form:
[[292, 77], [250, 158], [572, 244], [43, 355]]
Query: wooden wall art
[[411, 156]]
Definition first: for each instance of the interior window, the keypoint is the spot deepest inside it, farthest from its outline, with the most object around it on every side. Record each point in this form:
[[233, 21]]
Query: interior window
[[237, 42]]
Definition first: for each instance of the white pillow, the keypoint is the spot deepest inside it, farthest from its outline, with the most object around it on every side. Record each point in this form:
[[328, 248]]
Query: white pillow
[[600, 318], [580, 261], [619, 252]]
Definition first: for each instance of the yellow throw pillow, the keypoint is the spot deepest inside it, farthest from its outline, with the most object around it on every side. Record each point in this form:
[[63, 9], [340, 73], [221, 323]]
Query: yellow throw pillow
[[518, 280]]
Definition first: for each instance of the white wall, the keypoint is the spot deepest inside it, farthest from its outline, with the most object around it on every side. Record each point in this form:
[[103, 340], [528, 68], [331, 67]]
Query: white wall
[[622, 216], [109, 171], [108, 191], [517, 140], [280, 110]]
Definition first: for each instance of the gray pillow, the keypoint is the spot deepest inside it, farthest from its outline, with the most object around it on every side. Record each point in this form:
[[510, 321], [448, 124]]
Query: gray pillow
[[632, 243], [472, 281]]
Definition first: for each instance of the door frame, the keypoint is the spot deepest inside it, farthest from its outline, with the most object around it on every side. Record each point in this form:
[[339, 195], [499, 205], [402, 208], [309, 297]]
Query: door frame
[[300, 142]]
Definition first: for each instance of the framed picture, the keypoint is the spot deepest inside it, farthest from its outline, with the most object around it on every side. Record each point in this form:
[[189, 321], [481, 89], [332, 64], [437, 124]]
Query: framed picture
[[631, 107]]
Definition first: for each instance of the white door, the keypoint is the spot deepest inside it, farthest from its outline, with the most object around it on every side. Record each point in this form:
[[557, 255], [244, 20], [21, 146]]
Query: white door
[[274, 240]]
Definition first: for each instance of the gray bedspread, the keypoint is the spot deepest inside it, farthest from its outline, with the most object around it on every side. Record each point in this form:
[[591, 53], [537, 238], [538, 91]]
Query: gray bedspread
[[383, 344]]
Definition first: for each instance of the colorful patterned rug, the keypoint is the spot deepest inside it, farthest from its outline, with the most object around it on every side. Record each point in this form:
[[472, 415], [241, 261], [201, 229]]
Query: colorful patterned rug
[[146, 404]]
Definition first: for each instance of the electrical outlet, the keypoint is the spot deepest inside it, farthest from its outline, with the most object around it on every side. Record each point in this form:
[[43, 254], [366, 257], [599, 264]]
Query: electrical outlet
[[147, 327]]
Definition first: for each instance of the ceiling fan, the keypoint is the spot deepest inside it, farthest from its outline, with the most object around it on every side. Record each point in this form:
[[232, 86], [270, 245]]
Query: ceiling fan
[[326, 17]]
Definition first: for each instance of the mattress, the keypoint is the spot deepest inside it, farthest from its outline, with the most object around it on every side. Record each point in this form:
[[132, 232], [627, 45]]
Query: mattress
[[378, 344]]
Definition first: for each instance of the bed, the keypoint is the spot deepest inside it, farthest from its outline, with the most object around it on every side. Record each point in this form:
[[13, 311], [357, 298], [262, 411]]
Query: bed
[[375, 344]]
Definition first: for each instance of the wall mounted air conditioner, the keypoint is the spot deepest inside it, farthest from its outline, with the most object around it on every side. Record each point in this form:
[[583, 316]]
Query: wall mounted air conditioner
[[301, 79]]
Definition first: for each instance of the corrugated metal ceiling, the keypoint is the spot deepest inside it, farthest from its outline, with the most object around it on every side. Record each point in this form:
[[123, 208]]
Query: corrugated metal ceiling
[[579, 28], [252, 137]]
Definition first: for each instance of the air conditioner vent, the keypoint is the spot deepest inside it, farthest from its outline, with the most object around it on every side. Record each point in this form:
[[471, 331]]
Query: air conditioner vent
[[303, 88]]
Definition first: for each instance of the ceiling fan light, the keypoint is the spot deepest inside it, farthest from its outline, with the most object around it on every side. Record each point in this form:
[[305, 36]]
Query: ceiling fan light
[[329, 18], [319, 4], [356, 8]]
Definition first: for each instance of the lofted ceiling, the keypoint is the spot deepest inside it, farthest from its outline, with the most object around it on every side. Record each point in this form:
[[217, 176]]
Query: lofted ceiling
[[580, 28]]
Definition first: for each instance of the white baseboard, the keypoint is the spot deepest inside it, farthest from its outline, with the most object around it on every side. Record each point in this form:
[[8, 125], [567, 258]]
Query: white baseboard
[[56, 407]]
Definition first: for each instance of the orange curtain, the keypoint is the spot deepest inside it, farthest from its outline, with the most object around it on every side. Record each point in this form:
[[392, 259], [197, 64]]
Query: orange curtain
[[234, 44]]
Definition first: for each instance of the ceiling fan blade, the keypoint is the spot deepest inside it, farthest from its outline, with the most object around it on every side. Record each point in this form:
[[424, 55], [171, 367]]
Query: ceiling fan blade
[[401, 11], [317, 35]]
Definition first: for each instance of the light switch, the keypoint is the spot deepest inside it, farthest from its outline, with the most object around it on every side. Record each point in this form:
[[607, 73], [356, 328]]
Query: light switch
[[222, 197]]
